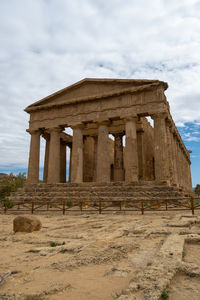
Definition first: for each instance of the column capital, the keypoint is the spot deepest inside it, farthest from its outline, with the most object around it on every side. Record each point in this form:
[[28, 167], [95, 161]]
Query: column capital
[[78, 126], [54, 129], [131, 118], [69, 145], [119, 134], [169, 123], [160, 115], [33, 131], [46, 136], [103, 122]]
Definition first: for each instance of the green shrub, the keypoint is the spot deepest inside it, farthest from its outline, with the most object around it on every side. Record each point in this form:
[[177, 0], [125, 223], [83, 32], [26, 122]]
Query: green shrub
[[191, 275], [165, 294], [63, 251], [9, 204], [69, 204], [55, 244], [10, 183]]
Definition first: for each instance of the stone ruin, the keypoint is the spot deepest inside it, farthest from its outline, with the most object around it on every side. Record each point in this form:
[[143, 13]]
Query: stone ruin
[[96, 110]]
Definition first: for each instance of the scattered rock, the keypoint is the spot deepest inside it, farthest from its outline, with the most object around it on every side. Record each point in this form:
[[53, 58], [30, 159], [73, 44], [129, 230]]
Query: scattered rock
[[26, 224]]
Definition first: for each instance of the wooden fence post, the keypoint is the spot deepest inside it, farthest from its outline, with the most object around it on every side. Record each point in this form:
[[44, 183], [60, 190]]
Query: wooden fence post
[[99, 206], [5, 207], [63, 207], [192, 205], [32, 207], [142, 207]]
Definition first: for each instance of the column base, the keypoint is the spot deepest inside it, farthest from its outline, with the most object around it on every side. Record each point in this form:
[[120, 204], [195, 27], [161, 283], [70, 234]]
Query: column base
[[119, 174]]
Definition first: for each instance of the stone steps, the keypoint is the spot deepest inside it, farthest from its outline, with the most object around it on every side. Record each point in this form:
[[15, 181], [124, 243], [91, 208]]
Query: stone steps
[[95, 192], [94, 198]]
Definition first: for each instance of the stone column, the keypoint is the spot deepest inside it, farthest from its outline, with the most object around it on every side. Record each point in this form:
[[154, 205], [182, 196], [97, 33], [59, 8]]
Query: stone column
[[131, 155], [177, 160], [88, 158], [118, 157], [34, 157], [169, 148], [70, 163], [189, 172], [95, 158], [46, 157], [174, 158], [141, 164], [62, 162], [161, 148], [181, 165], [184, 169], [77, 155], [103, 153], [54, 156]]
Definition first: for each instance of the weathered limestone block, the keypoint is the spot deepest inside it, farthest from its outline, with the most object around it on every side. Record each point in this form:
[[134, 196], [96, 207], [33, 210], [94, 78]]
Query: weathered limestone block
[[26, 223]]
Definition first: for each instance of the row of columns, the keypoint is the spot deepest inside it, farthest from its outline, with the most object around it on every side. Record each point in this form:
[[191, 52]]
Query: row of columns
[[55, 157], [55, 153], [102, 154], [171, 163]]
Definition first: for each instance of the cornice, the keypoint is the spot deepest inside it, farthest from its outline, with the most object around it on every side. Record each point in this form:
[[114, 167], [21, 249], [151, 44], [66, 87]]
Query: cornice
[[77, 100]]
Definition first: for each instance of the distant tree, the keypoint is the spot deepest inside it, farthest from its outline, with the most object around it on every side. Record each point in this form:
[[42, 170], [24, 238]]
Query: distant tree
[[10, 183], [197, 189]]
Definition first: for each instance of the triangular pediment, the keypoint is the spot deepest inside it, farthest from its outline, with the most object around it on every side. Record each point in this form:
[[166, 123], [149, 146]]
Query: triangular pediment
[[89, 87]]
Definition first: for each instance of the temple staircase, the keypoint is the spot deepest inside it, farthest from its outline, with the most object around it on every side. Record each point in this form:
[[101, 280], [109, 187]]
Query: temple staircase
[[90, 191]]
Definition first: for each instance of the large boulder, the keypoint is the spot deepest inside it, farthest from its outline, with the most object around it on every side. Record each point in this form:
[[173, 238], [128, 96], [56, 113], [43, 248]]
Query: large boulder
[[26, 223]]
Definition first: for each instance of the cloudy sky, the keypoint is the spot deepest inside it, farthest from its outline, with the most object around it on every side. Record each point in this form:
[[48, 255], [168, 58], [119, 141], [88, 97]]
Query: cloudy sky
[[49, 44]]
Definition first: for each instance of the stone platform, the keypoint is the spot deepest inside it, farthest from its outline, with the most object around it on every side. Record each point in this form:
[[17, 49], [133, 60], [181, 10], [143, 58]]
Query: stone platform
[[116, 191]]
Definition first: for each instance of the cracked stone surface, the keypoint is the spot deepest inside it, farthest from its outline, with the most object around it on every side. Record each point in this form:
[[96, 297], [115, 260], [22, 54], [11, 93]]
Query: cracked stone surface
[[102, 257]]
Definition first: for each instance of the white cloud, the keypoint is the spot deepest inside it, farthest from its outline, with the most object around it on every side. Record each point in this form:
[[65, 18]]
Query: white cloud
[[47, 45]]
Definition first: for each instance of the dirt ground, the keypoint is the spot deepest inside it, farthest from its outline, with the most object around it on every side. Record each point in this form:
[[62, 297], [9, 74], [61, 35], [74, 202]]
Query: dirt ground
[[103, 257]]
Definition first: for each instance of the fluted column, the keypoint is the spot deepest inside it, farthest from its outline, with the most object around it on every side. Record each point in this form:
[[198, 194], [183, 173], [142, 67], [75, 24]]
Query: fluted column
[[62, 162], [170, 154], [160, 148], [54, 156], [118, 157], [131, 155], [95, 158], [181, 165], [70, 163], [34, 157], [177, 160], [189, 172], [141, 162], [46, 157], [174, 158], [103, 153], [77, 155]]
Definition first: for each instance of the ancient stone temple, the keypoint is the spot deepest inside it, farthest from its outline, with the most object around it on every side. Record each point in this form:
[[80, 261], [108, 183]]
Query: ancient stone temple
[[113, 140]]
